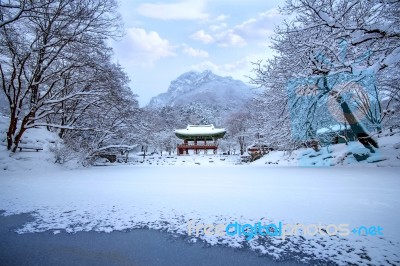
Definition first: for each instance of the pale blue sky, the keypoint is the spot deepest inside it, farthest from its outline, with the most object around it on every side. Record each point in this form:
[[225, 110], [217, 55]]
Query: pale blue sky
[[167, 38]]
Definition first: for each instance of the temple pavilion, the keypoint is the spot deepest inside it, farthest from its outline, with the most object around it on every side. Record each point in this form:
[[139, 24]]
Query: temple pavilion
[[199, 138]]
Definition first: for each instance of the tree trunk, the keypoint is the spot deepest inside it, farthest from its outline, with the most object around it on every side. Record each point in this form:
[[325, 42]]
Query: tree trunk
[[127, 156], [12, 128], [241, 144], [10, 132], [18, 137], [363, 135]]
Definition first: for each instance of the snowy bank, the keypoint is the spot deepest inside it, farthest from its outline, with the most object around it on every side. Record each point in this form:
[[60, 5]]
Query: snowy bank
[[353, 154]]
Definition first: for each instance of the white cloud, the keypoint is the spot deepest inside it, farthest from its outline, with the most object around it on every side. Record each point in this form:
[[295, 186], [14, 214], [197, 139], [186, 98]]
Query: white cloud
[[194, 52], [229, 39], [239, 69], [259, 28], [206, 65], [236, 66], [224, 39], [202, 36], [221, 17], [218, 27], [184, 10], [231, 69], [143, 48]]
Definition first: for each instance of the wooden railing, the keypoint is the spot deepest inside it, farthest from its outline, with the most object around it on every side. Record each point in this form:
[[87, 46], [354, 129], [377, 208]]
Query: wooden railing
[[197, 146]]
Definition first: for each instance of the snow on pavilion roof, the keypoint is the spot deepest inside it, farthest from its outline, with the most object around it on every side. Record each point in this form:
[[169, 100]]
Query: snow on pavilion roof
[[200, 131]]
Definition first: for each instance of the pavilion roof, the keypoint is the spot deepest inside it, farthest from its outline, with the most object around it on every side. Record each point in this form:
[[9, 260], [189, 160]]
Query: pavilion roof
[[200, 131]]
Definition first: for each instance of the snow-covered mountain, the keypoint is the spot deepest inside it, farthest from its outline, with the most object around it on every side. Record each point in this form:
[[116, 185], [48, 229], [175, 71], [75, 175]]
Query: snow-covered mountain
[[204, 88]]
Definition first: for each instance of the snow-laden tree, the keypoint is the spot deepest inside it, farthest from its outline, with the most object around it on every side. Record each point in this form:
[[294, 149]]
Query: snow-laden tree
[[389, 84], [95, 81], [196, 113], [107, 123], [167, 121], [228, 144], [42, 49], [330, 53], [269, 117], [237, 126]]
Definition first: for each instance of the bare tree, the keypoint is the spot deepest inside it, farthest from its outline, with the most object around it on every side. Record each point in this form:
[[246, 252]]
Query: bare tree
[[39, 52], [13, 10], [238, 127]]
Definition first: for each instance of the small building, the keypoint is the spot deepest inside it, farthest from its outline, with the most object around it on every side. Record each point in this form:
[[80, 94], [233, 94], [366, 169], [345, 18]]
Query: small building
[[259, 148], [199, 138], [334, 134]]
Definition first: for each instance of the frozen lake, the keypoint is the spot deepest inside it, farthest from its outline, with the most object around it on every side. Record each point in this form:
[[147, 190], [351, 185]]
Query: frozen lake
[[108, 199], [137, 247]]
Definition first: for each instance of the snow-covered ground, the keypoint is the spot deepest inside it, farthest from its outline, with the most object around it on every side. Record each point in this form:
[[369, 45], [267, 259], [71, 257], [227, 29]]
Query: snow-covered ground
[[171, 192], [168, 197], [200, 159], [28, 159]]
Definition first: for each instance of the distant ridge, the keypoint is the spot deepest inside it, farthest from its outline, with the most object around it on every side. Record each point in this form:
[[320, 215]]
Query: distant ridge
[[204, 88]]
